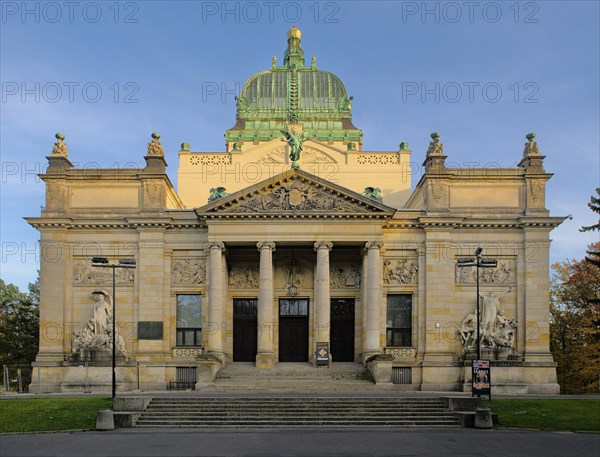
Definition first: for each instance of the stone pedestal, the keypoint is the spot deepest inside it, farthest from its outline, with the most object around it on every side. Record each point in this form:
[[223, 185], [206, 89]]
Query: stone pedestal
[[104, 420], [155, 164], [381, 368], [265, 360], [483, 418], [206, 369]]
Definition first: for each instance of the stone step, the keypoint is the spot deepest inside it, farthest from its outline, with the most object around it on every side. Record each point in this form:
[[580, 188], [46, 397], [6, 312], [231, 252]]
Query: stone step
[[293, 402], [286, 415], [308, 423], [296, 412]]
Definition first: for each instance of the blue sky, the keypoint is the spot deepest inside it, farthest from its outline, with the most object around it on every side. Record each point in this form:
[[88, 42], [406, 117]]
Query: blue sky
[[107, 74]]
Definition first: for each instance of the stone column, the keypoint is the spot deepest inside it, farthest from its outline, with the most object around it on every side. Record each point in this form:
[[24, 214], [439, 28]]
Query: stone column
[[215, 298], [265, 356], [322, 292], [372, 345]]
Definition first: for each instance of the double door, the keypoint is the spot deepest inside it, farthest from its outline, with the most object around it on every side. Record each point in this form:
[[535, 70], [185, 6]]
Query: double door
[[293, 330], [341, 333], [244, 330]]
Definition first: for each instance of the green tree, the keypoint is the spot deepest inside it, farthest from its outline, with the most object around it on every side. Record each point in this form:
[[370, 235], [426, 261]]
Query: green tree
[[575, 324], [19, 324], [593, 251]]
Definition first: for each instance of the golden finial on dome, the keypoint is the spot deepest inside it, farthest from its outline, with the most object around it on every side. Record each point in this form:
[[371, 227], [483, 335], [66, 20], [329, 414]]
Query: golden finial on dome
[[294, 32]]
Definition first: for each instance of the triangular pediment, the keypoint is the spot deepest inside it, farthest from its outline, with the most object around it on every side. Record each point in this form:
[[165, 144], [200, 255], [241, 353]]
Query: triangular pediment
[[296, 193]]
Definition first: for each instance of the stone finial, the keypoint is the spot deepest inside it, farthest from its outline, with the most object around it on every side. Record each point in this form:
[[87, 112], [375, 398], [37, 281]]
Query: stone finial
[[60, 148], [531, 147], [436, 147], [185, 147], [154, 147], [313, 62], [404, 146], [373, 193], [216, 193], [533, 160]]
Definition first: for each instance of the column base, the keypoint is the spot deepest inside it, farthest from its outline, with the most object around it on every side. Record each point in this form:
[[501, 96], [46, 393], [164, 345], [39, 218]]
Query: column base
[[265, 360]]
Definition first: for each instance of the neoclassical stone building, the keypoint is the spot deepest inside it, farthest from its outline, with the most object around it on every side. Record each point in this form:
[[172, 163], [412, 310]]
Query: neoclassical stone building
[[292, 236]]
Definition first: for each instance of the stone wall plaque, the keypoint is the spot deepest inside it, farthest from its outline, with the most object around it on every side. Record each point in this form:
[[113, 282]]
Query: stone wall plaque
[[150, 330]]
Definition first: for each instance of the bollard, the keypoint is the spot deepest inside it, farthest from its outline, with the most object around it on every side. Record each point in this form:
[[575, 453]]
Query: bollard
[[105, 420], [483, 418]]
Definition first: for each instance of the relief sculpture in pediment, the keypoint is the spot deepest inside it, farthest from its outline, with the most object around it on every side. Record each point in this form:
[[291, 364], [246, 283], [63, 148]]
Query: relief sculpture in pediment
[[298, 196]]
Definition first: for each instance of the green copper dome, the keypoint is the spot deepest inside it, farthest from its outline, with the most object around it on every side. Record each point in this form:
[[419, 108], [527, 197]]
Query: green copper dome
[[294, 93]]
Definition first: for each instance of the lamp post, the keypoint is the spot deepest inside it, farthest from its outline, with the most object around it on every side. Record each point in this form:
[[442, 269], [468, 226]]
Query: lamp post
[[102, 262], [478, 262]]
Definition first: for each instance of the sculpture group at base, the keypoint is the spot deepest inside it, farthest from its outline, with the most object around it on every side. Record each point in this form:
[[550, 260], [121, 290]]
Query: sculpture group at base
[[96, 335], [495, 329]]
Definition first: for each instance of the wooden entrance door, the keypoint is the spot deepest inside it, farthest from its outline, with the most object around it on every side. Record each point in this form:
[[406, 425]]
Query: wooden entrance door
[[342, 330], [244, 330], [293, 330]]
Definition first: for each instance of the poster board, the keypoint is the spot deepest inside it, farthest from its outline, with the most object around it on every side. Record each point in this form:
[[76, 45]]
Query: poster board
[[481, 379]]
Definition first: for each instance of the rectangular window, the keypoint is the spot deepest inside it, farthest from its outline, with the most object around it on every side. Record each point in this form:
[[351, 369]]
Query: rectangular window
[[189, 320], [399, 320]]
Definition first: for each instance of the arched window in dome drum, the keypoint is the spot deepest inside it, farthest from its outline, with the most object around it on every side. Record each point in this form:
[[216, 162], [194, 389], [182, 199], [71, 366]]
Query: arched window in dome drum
[[280, 89], [264, 91], [251, 92], [307, 91], [322, 89]]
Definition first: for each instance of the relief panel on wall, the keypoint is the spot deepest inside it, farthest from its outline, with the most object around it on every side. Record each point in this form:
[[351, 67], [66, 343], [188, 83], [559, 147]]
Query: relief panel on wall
[[400, 271], [503, 273], [344, 276], [84, 273], [188, 271], [243, 276]]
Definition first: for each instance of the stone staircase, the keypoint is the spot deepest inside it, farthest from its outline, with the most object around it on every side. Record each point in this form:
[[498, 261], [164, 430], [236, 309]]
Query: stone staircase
[[293, 378], [296, 412]]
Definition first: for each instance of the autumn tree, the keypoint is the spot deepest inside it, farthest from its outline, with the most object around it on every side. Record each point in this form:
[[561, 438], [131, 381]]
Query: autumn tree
[[593, 252], [575, 324], [19, 324]]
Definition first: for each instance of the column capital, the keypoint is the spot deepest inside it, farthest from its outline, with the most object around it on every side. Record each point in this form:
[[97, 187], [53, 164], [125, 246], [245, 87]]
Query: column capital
[[373, 244], [215, 245], [265, 245], [323, 245]]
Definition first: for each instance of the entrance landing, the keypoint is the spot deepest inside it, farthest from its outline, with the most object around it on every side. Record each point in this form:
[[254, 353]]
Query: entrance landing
[[342, 377]]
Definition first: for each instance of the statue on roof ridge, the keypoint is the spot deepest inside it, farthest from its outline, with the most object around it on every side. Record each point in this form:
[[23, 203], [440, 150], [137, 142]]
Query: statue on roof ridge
[[295, 141]]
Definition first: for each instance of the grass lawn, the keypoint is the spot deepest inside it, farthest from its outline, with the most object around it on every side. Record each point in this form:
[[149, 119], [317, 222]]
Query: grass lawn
[[44, 414], [547, 414]]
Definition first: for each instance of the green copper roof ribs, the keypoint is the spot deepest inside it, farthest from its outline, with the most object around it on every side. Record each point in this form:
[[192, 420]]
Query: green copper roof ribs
[[294, 93]]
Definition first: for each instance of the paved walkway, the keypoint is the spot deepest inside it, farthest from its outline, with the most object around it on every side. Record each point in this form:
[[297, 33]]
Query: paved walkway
[[313, 443]]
